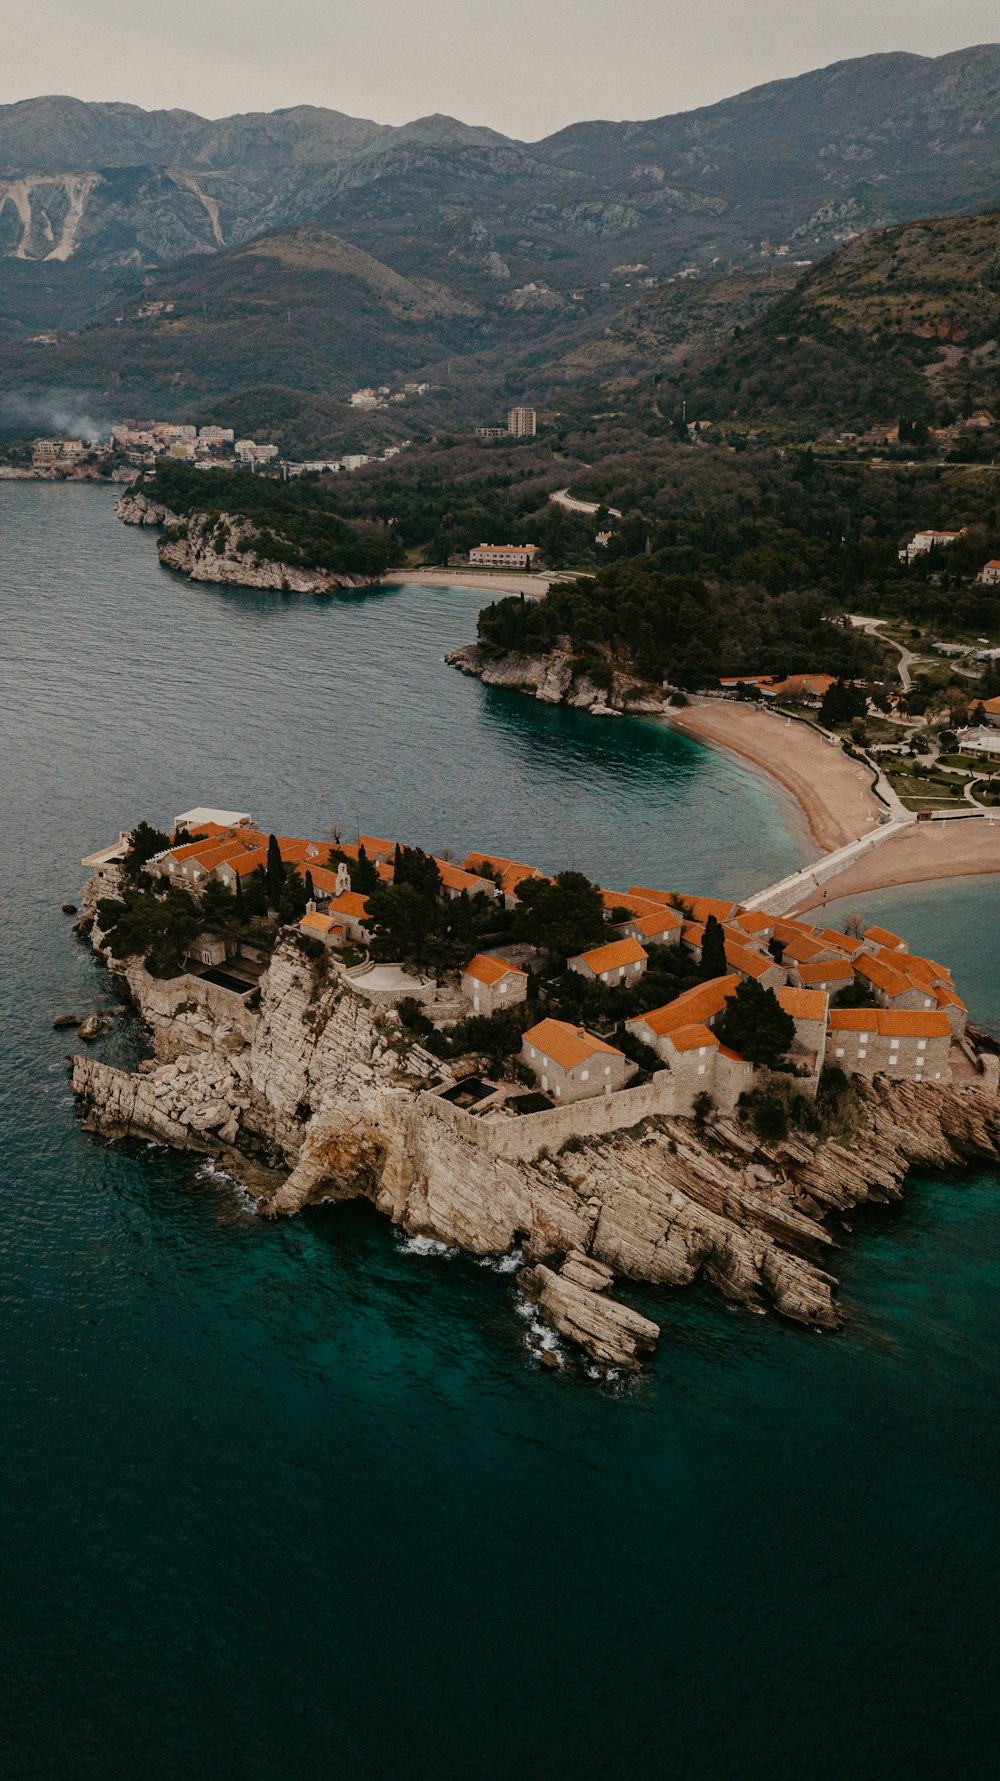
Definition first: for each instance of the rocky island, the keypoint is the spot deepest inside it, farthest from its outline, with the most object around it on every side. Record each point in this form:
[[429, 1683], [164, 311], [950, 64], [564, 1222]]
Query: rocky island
[[235, 529], [295, 1048]]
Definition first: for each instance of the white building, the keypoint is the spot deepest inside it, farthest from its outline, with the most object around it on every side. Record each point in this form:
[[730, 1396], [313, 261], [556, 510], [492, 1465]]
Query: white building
[[922, 543], [504, 556], [989, 574]]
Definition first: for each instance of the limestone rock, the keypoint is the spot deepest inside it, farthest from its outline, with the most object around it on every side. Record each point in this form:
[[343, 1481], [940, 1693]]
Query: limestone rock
[[66, 1020], [317, 1096], [572, 1302]]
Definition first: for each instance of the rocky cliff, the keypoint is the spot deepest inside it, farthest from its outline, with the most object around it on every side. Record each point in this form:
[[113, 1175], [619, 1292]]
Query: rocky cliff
[[224, 549], [558, 679], [318, 1096]]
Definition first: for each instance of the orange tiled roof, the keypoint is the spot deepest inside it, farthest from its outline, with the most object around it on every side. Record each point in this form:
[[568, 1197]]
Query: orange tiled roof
[[693, 1038], [800, 949], [350, 903], [885, 937], [845, 943], [925, 970], [747, 962], [906, 1023], [567, 1045], [511, 872], [826, 971], [803, 1004], [486, 969], [692, 1007], [853, 1020], [613, 899], [245, 863], [664, 921], [455, 878], [323, 879], [612, 956], [890, 982], [754, 921], [892, 1023], [946, 997], [315, 923]]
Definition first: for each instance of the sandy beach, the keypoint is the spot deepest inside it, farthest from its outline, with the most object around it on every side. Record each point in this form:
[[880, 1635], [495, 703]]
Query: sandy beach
[[962, 848], [833, 792], [534, 586]]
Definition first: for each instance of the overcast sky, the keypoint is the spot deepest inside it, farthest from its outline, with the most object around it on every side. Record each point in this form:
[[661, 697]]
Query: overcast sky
[[523, 66]]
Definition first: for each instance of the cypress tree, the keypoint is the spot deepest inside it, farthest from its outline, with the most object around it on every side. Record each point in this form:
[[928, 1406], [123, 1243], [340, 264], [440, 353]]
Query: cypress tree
[[275, 873], [713, 949]]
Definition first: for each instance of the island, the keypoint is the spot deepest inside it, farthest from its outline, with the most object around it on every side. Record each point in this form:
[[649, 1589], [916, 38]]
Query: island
[[639, 1084], [236, 529]]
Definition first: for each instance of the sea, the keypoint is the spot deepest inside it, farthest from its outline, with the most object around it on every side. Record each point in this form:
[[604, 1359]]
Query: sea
[[296, 1499]]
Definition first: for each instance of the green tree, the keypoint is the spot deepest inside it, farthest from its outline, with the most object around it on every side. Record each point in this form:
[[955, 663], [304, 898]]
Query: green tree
[[713, 949], [292, 896], [364, 877], [158, 929], [564, 915], [754, 1023], [275, 872], [143, 843], [218, 905], [255, 894]]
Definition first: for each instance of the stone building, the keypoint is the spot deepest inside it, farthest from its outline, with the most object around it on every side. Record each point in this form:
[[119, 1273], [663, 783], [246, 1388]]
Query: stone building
[[571, 1064], [490, 984], [617, 965], [915, 1046]]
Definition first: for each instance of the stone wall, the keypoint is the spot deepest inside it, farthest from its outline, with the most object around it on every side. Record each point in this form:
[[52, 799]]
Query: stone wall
[[516, 1138]]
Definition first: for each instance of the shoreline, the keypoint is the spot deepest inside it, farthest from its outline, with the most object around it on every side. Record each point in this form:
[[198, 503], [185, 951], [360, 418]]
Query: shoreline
[[822, 781], [534, 587], [922, 853]]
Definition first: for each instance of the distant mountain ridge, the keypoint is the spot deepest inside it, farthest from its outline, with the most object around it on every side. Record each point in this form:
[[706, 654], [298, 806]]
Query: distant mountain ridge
[[169, 256], [799, 163]]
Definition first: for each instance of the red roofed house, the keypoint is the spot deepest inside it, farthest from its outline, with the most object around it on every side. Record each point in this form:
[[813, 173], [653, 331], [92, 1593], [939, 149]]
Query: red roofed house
[[491, 984], [571, 1064], [618, 964], [681, 1032], [809, 1008], [350, 907], [915, 1047]]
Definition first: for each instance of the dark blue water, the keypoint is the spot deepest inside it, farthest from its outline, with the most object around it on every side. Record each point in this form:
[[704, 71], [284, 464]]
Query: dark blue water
[[294, 1500]]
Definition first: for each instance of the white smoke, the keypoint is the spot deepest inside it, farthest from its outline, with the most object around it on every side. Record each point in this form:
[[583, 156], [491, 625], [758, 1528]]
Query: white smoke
[[60, 411]]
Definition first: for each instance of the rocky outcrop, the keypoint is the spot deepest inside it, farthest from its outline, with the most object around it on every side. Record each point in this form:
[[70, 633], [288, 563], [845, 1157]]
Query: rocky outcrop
[[572, 1301], [317, 1096], [136, 509], [559, 679], [225, 549]]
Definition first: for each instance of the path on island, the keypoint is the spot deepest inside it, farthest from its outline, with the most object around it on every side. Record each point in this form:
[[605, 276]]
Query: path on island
[[873, 628]]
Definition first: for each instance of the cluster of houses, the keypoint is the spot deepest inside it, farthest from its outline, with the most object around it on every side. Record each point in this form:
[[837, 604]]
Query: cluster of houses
[[913, 1027], [909, 1033]]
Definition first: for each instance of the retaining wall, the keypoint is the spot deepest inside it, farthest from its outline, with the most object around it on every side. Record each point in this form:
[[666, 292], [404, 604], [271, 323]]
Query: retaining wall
[[520, 1138]]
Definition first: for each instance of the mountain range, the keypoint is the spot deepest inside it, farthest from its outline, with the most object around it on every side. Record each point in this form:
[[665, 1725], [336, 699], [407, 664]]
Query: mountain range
[[314, 250]]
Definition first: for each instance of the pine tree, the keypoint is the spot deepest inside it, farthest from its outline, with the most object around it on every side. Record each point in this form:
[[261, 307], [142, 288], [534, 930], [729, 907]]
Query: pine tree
[[754, 1023]]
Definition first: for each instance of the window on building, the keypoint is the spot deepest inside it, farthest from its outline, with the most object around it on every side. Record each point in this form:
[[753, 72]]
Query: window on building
[[584, 1075]]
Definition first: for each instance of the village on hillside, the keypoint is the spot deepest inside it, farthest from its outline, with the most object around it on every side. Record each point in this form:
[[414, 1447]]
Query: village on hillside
[[539, 993]]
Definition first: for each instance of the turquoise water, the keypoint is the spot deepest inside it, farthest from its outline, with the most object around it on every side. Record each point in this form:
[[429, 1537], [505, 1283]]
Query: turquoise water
[[294, 1500]]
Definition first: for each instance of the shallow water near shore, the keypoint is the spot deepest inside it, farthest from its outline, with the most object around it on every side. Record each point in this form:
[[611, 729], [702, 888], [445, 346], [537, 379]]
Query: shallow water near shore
[[295, 1499]]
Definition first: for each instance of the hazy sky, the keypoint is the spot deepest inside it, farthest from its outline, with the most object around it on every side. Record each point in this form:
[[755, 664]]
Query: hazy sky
[[523, 66]]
